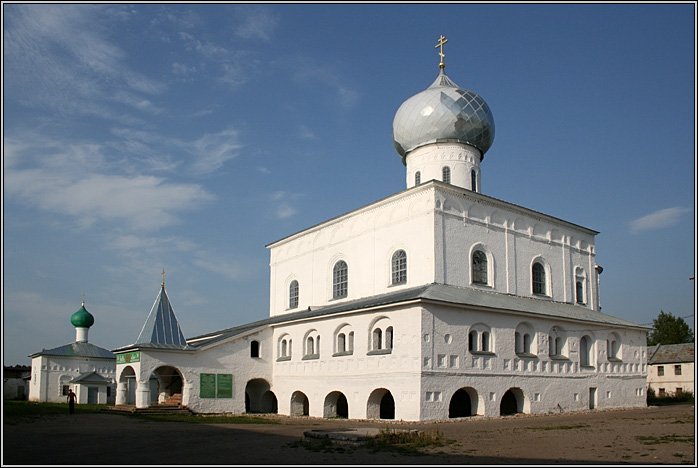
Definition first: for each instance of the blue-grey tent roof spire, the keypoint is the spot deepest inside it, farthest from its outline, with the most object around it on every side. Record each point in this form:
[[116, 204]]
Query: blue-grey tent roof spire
[[161, 326]]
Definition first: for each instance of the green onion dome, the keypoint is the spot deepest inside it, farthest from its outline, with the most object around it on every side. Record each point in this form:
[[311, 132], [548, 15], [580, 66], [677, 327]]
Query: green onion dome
[[82, 318]]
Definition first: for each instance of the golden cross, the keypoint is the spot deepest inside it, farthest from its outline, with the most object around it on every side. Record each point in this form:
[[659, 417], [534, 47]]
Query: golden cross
[[442, 41], [163, 277]]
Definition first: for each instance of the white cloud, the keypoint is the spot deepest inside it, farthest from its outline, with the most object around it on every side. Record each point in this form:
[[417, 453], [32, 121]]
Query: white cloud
[[59, 56], [658, 220], [231, 270], [77, 180], [281, 204], [213, 149], [256, 23], [306, 70], [306, 132]]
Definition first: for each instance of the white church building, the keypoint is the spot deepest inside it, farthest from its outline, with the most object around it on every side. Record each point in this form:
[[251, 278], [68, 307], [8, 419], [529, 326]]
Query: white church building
[[436, 302], [87, 369]]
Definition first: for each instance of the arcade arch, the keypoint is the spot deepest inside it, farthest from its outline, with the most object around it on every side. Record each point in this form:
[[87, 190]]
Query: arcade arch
[[381, 405]]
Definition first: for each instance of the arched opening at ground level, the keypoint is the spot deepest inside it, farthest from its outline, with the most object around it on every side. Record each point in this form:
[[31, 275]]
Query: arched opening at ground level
[[460, 406], [126, 387], [167, 386], [513, 402], [259, 398], [336, 406], [300, 406], [381, 405]]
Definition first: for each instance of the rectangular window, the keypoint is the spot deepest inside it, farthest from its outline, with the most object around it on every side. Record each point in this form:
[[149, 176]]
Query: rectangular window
[[65, 389], [441, 362], [677, 369], [660, 371]]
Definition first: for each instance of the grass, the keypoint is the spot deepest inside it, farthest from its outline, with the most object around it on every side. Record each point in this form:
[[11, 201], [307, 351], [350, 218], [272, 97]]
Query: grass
[[25, 411], [205, 419], [15, 411], [408, 442], [666, 439], [556, 428]]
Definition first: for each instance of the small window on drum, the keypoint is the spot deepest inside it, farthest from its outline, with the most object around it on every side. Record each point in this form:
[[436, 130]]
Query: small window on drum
[[446, 174], [473, 180], [417, 178]]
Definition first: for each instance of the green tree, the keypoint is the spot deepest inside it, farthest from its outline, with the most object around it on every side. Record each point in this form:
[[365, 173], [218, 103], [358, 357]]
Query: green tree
[[668, 329]]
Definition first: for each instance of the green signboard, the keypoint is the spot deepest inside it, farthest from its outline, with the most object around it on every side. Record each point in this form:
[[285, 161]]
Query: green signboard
[[207, 386], [216, 385], [126, 358], [225, 386]]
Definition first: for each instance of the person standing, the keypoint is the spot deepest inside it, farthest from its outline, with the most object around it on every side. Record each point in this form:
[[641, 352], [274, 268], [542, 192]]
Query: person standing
[[71, 401]]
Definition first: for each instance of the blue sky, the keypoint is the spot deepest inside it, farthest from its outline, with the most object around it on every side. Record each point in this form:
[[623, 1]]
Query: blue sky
[[188, 137]]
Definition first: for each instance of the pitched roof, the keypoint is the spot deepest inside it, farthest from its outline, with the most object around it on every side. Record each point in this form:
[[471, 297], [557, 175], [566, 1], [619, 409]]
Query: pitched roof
[[161, 327], [663, 354], [90, 377], [78, 349], [437, 293]]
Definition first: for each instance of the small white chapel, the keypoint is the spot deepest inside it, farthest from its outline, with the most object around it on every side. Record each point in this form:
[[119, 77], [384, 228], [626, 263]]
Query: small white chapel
[[436, 302], [87, 369]]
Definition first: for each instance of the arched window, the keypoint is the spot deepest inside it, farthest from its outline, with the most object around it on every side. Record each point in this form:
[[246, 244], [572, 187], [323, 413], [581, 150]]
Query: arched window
[[485, 345], [344, 341], [556, 342], [580, 283], [254, 348], [389, 338], [473, 180], [310, 346], [585, 351], [399, 267], [446, 174], [538, 277], [613, 347], [377, 339], [518, 343], [340, 280], [479, 270], [293, 295], [417, 178], [284, 348], [472, 341], [527, 343]]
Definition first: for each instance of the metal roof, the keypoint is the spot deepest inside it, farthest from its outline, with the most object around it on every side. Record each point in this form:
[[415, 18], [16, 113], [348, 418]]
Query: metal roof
[[664, 354], [90, 377], [161, 327], [436, 293], [78, 349]]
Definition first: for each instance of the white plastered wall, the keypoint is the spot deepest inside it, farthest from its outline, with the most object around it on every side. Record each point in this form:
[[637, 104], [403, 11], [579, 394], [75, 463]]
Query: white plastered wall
[[50, 373], [356, 375], [448, 365]]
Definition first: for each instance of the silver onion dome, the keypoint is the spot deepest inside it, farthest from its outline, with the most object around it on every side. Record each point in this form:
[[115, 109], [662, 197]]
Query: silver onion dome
[[443, 112]]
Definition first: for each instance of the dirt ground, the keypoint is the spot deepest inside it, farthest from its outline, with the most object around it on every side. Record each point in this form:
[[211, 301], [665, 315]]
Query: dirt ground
[[654, 435]]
